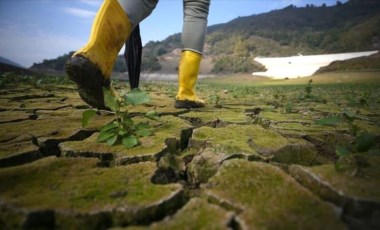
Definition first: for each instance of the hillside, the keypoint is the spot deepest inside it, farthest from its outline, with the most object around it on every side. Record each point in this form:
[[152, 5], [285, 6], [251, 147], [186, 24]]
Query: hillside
[[353, 26], [4, 67], [231, 47], [9, 62], [370, 63]]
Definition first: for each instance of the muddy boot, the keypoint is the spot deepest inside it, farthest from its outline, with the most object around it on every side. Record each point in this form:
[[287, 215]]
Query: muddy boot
[[91, 66], [187, 78]]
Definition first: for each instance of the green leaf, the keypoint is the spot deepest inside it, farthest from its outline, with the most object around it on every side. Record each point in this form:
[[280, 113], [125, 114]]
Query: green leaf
[[329, 121], [350, 116], [86, 116], [142, 125], [130, 141], [288, 108], [127, 120], [142, 129], [108, 127], [152, 115], [143, 133], [110, 100], [364, 142], [136, 97], [104, 136], [349, 113], [341, 151], [112, 140], [122, 132]]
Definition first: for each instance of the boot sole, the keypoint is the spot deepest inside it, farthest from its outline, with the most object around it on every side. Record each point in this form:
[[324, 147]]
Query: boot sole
[[89, 79], [186, 104]]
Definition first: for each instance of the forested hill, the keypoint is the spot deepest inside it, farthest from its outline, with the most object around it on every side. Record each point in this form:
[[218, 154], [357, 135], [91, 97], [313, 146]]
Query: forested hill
[[345, 27], [354, 26]]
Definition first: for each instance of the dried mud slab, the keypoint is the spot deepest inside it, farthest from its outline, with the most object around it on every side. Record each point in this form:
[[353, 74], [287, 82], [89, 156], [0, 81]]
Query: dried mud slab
[[161, 103], [239, 140], [69, 193], [196, 214], [359, 195], [204, 165], [150, 149], [216, 117], [16, 116], [53, 103], [35, 99], [295, 124], [27, 94], [40, 128], [47, 132], [18, 153], [253, 142], [267, 198], [28, 140]]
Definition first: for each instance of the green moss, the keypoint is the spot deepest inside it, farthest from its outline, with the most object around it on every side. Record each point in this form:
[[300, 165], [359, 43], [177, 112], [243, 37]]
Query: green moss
[[160, 103], [12, 116], [223, 115], [268, 198], [197, 214], [17, 148], [328, 108], [276, 116], [204, 165], [369, 127], [365, 186], [79, 185], [298, 151], [299, 128], [245, 139], [54, 127]]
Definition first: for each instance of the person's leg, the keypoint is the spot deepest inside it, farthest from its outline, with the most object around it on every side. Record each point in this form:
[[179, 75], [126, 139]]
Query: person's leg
[[193, 38], [91, 66]]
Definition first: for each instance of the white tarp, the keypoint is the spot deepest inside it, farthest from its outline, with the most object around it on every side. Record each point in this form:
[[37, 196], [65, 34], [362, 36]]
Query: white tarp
[[301, 66]]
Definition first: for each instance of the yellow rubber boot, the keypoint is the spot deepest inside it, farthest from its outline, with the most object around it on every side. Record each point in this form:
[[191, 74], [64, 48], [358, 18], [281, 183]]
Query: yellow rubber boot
[[91, 66], [187, 77]]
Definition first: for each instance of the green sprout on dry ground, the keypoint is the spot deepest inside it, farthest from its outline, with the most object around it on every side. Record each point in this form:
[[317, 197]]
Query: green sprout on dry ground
[[216, 100], [309, 89], [123, 129], [349, 159]]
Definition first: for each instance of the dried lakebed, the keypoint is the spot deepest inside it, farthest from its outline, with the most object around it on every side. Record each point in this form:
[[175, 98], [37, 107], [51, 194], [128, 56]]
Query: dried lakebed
[[240, 163]]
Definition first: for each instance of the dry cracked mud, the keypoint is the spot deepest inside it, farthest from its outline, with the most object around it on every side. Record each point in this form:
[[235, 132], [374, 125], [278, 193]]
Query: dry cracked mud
[[240, 164]]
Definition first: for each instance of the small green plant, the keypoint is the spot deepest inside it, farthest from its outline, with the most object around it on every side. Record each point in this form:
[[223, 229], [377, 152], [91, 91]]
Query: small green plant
[[363, 139], [309, 89], [123, 128], [215, 99], [288, 107], [349, 161]]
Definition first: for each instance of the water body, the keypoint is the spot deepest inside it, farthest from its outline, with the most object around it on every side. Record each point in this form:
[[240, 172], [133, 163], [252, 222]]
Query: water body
[[301, 66]]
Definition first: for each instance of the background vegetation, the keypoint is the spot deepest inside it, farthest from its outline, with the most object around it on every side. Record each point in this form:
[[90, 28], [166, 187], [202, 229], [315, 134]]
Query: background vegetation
[[348, 27]]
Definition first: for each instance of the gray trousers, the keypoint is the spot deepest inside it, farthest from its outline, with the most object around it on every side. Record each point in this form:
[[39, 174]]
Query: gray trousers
[[194, 20]]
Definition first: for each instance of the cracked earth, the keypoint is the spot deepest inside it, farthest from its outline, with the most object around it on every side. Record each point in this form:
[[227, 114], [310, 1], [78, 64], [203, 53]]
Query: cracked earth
[[240, 163]]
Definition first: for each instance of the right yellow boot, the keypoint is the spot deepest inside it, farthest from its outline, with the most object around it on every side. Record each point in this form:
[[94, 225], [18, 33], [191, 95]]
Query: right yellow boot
[[91, 66], [188, 71]]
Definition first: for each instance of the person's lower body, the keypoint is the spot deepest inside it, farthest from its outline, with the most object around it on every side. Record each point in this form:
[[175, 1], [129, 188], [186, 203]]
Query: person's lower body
[[193, 38], [91, 66]]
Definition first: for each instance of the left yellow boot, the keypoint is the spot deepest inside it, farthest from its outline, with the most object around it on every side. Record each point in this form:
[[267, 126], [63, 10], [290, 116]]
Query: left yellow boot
[[91, 66], [187, 77]]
